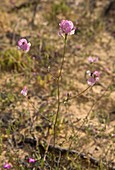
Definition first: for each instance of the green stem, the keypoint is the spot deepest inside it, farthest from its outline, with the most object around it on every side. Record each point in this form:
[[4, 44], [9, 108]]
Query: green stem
[[58, 92]]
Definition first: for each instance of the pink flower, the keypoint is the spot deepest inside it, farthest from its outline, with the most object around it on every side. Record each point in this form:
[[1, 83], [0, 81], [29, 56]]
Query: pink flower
[[24, 91], [66, 27], [96, 73], [92, 60], [91, 81], [24, 45], [94, 77], [7, 166], [31, 160]]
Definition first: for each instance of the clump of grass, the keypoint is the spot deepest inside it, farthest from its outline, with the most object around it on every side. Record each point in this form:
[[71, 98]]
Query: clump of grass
[[12, 59]]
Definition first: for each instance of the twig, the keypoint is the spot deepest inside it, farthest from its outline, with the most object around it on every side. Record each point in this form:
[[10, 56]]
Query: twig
[[75, 96]]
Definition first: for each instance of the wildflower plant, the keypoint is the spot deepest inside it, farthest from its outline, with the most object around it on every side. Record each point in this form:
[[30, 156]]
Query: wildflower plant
[[66, 28]]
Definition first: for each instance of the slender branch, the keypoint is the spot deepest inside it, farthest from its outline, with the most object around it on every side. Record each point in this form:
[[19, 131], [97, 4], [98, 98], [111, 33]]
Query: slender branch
[[75, 96]]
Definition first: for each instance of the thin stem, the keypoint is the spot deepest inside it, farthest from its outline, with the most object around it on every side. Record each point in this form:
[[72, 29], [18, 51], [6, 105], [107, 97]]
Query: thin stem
[[86, 118], [58, 90], [75, 96]]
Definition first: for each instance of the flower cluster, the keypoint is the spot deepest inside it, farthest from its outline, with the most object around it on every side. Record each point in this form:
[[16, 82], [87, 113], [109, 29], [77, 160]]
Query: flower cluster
[[94, 77], [66, 27], [24, 45]]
